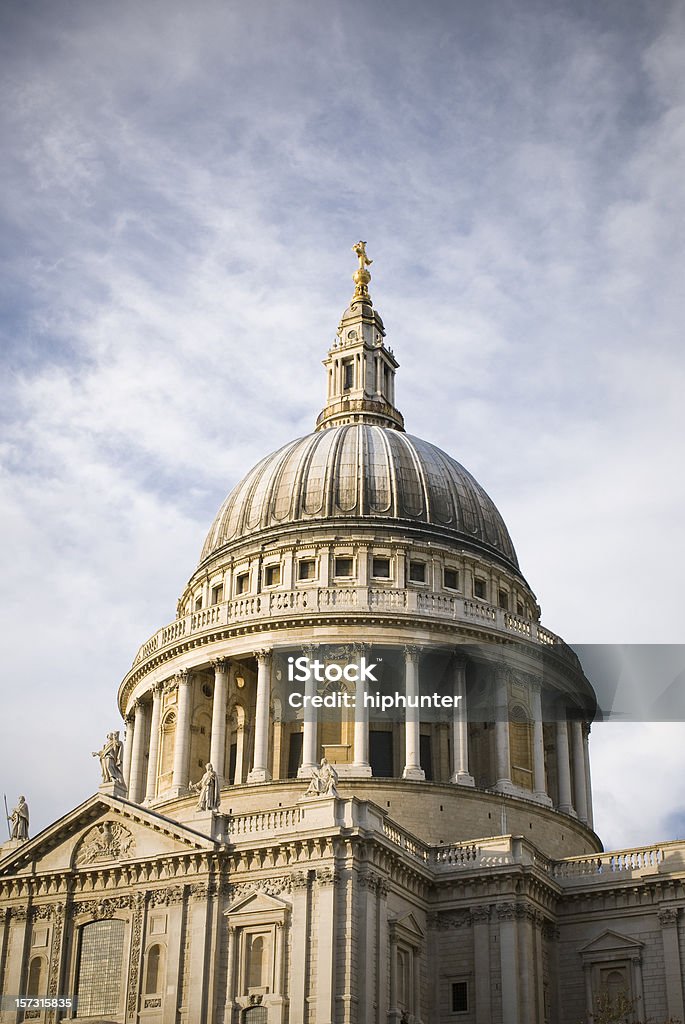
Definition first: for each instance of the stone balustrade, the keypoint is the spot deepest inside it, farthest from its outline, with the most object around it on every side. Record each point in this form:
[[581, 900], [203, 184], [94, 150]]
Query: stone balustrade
[[251, 609], [627, 863]]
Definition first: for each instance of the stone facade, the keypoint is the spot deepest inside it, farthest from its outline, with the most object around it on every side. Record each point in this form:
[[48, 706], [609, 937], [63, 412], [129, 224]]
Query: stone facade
[[453, 875]]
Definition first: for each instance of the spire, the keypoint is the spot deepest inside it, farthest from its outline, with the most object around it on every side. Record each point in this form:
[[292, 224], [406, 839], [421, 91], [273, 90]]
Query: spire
[[360, 369]]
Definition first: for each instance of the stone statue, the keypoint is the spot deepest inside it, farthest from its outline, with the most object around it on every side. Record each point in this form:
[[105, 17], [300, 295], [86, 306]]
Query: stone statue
[[361, 276], [208, 788], [111, 759], [20, 820], [324, 780]]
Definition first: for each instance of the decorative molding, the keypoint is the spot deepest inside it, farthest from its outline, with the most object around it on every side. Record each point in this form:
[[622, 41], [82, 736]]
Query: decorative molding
[[167, 897], [109, 840], [668, 916], [134, 963]]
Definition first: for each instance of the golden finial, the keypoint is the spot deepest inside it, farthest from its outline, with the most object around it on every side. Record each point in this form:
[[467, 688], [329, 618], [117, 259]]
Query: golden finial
[[361, 277]]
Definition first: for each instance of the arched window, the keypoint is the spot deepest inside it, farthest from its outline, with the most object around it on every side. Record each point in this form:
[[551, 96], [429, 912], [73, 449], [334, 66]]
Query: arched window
[[100, 967], [255, 961], [34, 986], [521, 743], [153, 969]]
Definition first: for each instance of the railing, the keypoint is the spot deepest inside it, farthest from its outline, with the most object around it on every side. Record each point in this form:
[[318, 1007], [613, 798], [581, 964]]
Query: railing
[[280, 820], [626, 862], [309, 600], [400, 837]]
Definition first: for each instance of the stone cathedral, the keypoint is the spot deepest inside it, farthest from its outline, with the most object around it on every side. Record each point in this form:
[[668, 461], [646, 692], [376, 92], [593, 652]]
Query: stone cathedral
[[353, 784]]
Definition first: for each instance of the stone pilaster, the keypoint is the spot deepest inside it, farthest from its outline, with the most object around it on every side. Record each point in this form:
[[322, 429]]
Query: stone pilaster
[[668, 919]]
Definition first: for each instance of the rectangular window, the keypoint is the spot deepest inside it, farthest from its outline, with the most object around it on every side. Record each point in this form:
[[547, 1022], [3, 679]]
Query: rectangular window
[[241, 583], [344, 567], [272, 575], [503, 599], [417, 572], [460, 996], [479, 588], [306, 570], [381, 568], [198, 602], [519, 608], [348, 375], [218, 594], [451, 579]]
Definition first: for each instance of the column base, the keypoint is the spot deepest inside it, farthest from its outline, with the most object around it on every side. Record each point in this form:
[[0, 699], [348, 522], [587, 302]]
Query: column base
[[463, 779], [505, 786], [305, 771], [258, 775], [359, 771], [567, 809], [176, 792], [543, 799], [413, 774], [115, 789]]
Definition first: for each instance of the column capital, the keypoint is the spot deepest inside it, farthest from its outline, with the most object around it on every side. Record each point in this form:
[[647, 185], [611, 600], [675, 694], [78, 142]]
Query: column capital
[[668, 916], [264, 655], [157, 689], [220, 665], [412, 652], [182, 676], [459, 659]]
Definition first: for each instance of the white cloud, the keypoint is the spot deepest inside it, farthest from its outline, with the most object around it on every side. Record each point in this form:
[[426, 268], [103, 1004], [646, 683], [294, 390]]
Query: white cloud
[[181, 191]]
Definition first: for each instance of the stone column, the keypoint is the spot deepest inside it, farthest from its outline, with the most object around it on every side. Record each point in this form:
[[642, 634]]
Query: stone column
[[16, 955], [217, 749], [381, 959], [135, 794], [151, 785], [310, 727], [588, 778], [179, 782], [509, 967], [460, 726], [481, 962], [579, 769], [128, 751], [563, 764], [503, 758], [260, 771], [539, 776], [668, 919], [412, 758], [361, 767]]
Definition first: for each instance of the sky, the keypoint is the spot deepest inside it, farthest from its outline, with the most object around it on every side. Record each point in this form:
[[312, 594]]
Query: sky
[[180, 189]]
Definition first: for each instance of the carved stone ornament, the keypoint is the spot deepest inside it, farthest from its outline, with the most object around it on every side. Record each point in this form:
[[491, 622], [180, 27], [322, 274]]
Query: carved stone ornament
[[108, 841], [668, 915], [167, 897]]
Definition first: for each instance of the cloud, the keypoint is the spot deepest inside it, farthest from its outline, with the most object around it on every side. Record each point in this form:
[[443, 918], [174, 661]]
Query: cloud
[[180, 193]]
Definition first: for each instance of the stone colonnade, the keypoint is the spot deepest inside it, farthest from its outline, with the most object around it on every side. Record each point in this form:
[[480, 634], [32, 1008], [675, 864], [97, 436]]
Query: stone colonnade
[[571, 736]]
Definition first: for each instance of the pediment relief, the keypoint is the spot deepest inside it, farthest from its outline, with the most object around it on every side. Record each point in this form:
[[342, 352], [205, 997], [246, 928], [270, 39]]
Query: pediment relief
[[107, 841]]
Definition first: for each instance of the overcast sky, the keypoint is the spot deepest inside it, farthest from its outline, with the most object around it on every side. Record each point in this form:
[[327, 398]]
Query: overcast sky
[[181, 185]]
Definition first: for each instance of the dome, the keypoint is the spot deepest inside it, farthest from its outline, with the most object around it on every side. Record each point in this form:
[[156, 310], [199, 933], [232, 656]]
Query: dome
[[362, 471]]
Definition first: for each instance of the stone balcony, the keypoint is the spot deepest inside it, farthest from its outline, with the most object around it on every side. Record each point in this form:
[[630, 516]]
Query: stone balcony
[[365, 602]]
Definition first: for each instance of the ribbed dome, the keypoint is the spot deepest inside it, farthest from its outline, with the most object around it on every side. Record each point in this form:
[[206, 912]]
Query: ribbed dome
[[361, 471]]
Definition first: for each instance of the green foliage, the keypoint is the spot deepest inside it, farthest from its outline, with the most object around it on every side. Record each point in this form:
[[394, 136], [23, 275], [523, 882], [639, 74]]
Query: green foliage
[[621, 1009]]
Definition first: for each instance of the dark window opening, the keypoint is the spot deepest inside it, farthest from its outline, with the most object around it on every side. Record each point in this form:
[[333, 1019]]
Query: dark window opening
[[451, 579], [479, 588], [417, 572], [343, 567], [272, 575], [460, 996], [348, 375], [381, 754], [503, 599], [519, 608], [294, 754], [306, 570], [381, 568], [218, 594], [241, 583], [426, 756]]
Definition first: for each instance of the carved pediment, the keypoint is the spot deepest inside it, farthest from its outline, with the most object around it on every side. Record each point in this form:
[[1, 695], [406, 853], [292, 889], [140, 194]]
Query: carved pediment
[[612, 942], [107, 841]]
